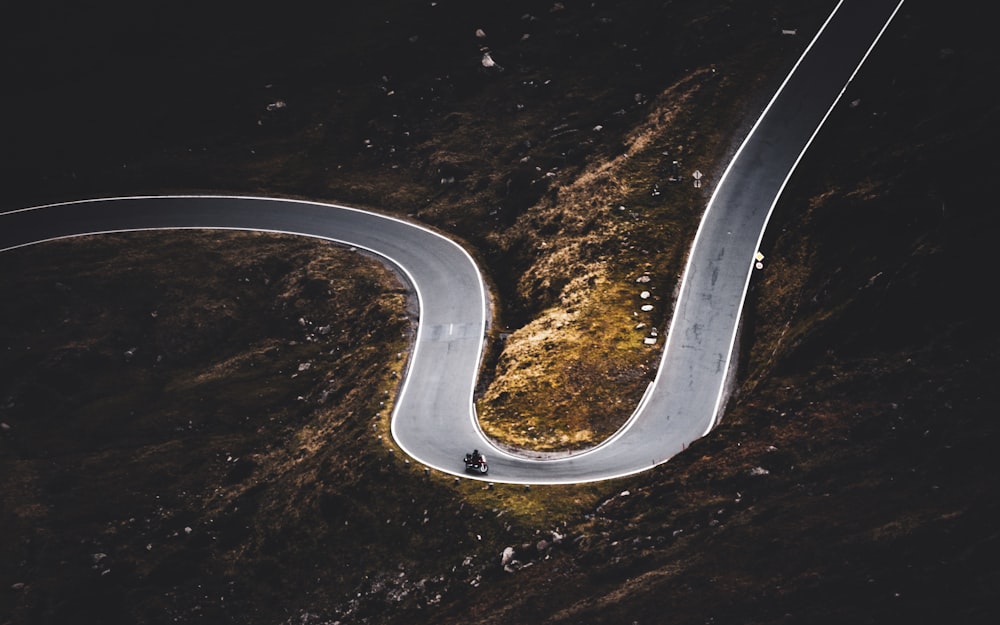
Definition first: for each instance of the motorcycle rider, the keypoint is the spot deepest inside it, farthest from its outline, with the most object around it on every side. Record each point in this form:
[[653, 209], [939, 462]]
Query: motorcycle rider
[[476, 462]]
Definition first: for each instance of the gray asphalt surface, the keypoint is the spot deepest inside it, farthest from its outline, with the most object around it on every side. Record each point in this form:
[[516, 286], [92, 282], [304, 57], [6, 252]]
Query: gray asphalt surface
[[434, 418]]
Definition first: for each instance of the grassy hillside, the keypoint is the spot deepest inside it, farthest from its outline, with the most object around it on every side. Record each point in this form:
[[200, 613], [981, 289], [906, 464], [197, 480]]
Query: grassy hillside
[[554, 166], [848, 481]]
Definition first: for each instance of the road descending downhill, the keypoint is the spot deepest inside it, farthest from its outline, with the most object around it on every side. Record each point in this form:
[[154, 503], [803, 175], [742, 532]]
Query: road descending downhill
[[434, 418]]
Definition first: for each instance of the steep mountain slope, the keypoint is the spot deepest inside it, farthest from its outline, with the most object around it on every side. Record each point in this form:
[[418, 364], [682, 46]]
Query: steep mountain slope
[[850, 479]]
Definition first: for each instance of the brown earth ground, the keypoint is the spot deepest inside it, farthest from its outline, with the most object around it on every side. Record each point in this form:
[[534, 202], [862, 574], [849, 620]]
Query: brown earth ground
[[554, 170], [849, 481]]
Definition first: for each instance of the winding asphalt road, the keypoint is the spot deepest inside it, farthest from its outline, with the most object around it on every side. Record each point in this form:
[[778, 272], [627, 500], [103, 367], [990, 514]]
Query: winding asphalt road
[[434, 418]]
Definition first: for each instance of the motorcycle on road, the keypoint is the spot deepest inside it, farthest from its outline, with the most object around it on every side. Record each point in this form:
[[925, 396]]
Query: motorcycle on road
[[476, 463]]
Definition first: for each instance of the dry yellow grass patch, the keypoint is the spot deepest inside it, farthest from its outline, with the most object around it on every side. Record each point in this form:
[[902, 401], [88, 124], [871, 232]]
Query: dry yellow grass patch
[[573, 375]]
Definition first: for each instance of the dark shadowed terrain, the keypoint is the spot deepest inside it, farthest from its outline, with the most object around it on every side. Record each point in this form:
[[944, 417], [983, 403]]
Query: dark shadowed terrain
[[192, 425]]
